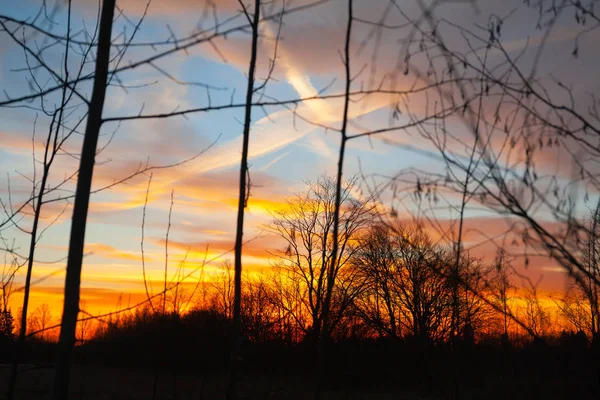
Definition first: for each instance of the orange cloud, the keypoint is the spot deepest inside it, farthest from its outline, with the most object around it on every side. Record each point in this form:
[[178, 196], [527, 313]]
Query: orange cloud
[[256, 248], [111, 252]]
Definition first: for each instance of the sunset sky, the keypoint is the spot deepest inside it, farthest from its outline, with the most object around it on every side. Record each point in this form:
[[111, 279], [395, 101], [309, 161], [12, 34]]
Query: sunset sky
[[284, 151]]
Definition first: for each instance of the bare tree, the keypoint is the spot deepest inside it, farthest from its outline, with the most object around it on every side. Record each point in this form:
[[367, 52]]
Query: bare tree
[[516, 120], [85, 328], [589, 286], [260, 312], [244, 193], [306, 228], [536, 316], [81, 204], [10, 267], [40, 320], [221, 296], [376, 261], [575, 309], [501, 287], [414, 283]]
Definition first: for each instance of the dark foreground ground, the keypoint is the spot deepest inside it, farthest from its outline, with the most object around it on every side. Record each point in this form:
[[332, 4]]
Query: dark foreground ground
[[525, 379], [99, 383], [139, 368]]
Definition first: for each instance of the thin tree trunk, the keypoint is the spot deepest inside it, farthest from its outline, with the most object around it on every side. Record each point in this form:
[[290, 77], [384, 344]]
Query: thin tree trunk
[[80, 209], [48, 160], [331, 273], [23, 327], [242, 200], [593, 296]]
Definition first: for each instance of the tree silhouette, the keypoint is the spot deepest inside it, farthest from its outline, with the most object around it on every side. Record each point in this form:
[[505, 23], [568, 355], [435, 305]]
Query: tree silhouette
[[81, 204], [244, 194], [306, 228]]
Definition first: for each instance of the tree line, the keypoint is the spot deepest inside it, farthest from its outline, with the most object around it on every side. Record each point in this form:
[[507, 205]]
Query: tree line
[[392, 280]]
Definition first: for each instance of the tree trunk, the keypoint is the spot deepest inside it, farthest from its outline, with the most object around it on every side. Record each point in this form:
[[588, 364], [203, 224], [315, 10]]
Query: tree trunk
[[237, 301], [332, 268], [80, 209]]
